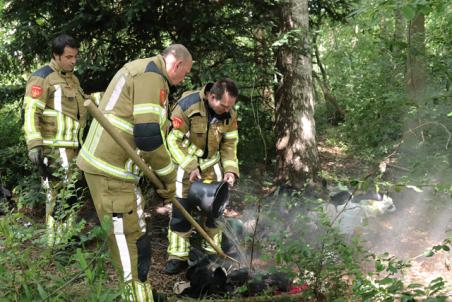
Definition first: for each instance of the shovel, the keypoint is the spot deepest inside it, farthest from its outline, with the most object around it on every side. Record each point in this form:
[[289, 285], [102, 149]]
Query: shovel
[[155, 181]]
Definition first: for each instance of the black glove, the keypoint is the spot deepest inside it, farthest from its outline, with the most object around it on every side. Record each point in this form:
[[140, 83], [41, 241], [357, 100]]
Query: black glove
[[36, 156]]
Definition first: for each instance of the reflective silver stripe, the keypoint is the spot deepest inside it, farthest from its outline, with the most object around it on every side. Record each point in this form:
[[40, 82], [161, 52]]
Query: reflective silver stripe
[[206, 163], [179, 182], [35, 135], [57, 98], [120, 123], [35, 102], [68, 126], [187, 161], [29, 126], [49, 112], [64, 159], [94, 136], [231, 134], [139, 292], [178, 245], [177, 133], [147, 108], [218, 173], [216, 239], [121, 242], [60, 143], [106, 167], [140, 212], [116, 93], [178, 155], [165, 170]]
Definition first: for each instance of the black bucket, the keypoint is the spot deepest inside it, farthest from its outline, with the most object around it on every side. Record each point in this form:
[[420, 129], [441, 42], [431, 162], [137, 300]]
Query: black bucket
[[211, 196]]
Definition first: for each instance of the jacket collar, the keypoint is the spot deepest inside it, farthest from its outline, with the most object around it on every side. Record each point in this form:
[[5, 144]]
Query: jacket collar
[[54, 65], [161, 65]]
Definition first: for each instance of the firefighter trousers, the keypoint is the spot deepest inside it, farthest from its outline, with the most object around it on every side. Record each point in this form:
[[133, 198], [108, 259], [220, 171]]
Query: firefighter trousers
[[61, 210], [120, 208]]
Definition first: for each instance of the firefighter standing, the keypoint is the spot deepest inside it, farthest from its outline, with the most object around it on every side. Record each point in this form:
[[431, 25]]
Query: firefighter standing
[[203, 142], [136, 103], [54, 118]]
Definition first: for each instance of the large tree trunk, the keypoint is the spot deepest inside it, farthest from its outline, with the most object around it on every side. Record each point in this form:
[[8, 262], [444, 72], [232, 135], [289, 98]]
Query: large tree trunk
[[416, 69], [296, 147]]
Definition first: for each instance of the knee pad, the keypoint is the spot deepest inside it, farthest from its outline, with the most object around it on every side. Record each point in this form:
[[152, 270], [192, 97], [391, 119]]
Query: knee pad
[[144, 256], [178, 222]]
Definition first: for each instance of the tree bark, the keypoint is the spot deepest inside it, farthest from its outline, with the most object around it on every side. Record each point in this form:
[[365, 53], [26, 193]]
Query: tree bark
[[296, 147], [416, 69]]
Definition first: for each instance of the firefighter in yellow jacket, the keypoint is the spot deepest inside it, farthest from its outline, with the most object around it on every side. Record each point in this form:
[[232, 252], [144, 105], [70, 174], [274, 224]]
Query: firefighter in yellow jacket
[[54, 118], [136, 103], [203, 142]]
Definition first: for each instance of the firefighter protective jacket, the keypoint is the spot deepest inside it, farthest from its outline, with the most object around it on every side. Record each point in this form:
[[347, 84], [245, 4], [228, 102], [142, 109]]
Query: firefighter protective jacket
[[54, 115], [200, 138], [136, 98]]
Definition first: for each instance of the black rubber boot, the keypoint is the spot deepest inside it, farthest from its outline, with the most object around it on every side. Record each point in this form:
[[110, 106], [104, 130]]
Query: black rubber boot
[[175, 266]]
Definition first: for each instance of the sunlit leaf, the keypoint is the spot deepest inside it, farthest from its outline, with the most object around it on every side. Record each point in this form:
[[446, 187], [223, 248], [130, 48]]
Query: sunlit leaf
[[408, 12]]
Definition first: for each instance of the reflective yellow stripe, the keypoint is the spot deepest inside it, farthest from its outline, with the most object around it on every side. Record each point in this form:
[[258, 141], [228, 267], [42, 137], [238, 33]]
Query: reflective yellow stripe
[[106, 167], [139, 292], [147, 108], [31, 132], [177, 153], [60, 143], [231, 135], [34, 102], [60, 126], [165, 170], [178, 133], [49, 112], [187, 161], [67, 128], [120, 123], [206, 163], [69, 124], [216, 239], [230, 163], [178, 245], [94, 134], [33, 135]]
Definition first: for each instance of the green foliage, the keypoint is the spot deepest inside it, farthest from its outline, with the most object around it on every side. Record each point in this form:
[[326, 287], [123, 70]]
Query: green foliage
[[303, 243], [14, 163], [28, 272], [384, 284]]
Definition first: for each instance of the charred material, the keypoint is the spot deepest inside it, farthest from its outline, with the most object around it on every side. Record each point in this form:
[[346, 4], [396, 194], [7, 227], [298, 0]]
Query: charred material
[[211, 276]]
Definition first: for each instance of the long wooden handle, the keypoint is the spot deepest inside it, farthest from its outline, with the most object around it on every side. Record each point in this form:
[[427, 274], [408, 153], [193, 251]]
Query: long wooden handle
[[105, 123]]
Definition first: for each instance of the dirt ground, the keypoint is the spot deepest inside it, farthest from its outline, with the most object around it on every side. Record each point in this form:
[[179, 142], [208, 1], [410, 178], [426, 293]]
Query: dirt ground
[[382, 234]]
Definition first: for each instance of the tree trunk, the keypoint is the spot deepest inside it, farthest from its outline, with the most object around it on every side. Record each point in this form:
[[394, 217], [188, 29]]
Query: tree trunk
[[296, 148], [399, 34], [416, 69]]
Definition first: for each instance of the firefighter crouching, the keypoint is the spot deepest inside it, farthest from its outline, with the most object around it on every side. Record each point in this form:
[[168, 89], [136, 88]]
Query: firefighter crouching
[[203, 142], [136, 103], [54, 118]]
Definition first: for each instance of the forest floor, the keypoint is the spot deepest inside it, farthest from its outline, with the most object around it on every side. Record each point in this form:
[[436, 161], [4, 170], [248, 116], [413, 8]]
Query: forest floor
[[384, 233], [405, 233]]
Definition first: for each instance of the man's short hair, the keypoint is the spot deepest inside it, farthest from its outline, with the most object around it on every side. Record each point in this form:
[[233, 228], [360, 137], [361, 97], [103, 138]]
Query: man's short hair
[[60, 42], [179, 51], [219, 87]]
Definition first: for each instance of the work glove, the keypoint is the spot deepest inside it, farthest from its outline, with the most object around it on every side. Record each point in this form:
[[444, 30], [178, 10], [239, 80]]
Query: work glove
[[36, 156], [168, 193]]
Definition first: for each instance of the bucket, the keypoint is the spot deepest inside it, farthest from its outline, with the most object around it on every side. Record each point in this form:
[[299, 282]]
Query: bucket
[[211, 196]]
